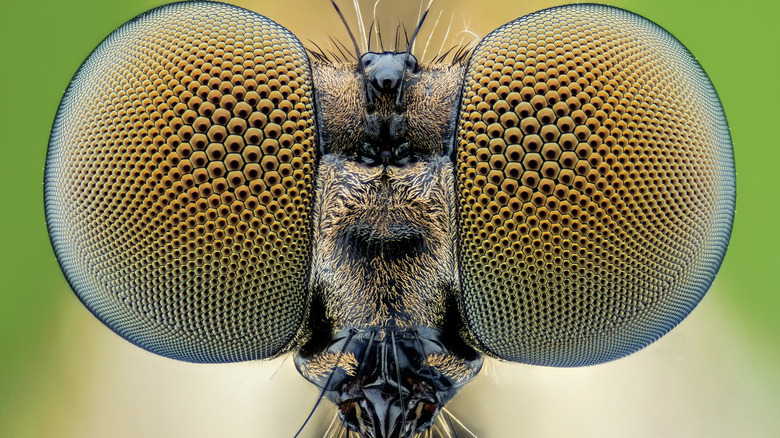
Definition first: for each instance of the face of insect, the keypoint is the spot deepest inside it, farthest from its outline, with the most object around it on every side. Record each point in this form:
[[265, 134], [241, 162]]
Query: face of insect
[[385, 347], [562, 196]]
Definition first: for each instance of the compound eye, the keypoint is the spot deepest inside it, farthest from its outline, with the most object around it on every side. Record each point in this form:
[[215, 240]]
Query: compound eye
[[596, 186], [179, 179]]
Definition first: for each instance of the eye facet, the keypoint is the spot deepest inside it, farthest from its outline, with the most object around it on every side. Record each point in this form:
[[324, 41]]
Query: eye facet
[[179, 180], [596, 183]]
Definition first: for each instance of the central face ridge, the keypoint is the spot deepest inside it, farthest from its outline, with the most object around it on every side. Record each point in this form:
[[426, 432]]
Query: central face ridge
[[384, 265]]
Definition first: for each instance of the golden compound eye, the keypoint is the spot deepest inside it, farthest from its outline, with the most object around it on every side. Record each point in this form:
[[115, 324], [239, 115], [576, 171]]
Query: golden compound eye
[[595, 178], [179, 180]]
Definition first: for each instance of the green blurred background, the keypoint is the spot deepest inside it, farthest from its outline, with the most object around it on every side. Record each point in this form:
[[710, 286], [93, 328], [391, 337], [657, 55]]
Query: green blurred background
[[62, 374]]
